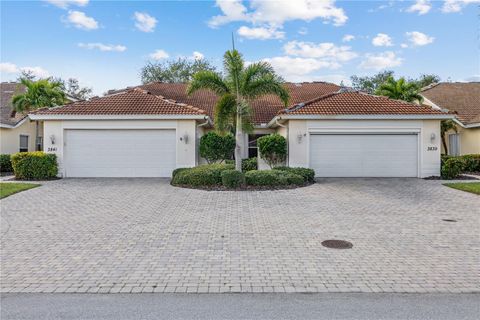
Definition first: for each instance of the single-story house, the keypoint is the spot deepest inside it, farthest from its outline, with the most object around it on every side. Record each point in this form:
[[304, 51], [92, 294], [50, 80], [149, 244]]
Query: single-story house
[[148, 131], [463, 98], [17, 133]]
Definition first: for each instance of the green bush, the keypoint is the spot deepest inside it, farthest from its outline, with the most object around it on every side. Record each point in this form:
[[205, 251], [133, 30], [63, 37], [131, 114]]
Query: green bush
[[177, 171], [307, 174], [215, 147], [34, 165], [5, 163], [204, 175], [273, 149], [471, 162], [232, 178], [272, 178], [452, 168], [249, 164]]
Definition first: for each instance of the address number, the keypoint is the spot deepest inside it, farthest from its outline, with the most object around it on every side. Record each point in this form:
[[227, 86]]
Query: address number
[[52, 149], [432, 148]]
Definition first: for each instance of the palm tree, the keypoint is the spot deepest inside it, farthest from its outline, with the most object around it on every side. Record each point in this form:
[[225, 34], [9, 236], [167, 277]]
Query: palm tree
[[39, 94], [236, 89], [400, 90], [445, 126]]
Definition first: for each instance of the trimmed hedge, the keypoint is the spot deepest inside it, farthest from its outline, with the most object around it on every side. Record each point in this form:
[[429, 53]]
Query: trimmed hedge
[[307, 174], [34, 165], [452, 166], [204, 175], [249, 164], [273, 149], [272, 178], [215, 147], [5, 163], [471, 162], [232, 178]]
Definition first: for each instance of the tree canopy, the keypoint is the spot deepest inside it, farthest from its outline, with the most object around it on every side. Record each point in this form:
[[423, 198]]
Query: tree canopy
[[400, 89], [174, 71], [39, 94], [371, 83]]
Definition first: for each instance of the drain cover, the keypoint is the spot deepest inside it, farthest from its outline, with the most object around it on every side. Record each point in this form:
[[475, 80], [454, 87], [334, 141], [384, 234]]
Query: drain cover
[[337, 244], [449, 220]]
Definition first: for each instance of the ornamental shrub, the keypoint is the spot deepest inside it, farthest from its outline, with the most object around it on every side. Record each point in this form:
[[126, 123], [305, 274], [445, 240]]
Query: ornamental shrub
[[272, 178], [452, 168], [215, 147], [273, 149], [36, 165], [204, 175], [232, 178], [307, 174], [5, 163], [249, 164], [471, 162]]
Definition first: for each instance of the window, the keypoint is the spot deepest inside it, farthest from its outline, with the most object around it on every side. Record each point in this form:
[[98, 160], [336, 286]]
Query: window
[[23, 143], [453, 144], [252, 145]]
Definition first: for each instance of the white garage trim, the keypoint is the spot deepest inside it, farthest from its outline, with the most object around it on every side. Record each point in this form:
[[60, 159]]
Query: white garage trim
[[134, 152], [368, 132]]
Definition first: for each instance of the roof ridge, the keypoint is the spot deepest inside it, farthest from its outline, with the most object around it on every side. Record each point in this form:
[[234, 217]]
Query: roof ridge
[[303, 104], [171, 101]]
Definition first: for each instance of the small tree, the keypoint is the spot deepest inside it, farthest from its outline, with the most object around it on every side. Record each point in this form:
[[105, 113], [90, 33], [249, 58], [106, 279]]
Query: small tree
[[215, 147], [273, 149], [400, 89], [445, 126]]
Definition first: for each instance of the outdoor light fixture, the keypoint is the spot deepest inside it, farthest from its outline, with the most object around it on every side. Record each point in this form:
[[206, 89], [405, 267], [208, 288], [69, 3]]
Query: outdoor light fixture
[[184, 138], [52, 139], [432, 137], [299, 137]]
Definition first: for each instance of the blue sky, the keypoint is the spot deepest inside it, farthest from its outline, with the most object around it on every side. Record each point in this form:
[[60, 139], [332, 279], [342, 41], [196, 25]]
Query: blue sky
[[105, 43]]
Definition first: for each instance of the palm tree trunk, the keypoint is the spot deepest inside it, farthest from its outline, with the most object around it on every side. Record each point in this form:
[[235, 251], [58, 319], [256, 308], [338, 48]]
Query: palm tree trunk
[[238, 142], [444, 142]]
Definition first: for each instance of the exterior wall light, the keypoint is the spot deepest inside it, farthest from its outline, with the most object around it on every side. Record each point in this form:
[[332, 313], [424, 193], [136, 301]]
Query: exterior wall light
[[52, 139], [184, 138], [432, 137], [299, 137]]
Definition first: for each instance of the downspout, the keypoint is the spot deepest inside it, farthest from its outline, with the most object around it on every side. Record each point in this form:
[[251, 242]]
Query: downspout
[[288, 143]]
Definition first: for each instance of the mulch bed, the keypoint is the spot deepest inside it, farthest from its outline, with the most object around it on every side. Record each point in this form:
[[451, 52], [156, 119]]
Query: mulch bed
[[460, 177], [244, 188]]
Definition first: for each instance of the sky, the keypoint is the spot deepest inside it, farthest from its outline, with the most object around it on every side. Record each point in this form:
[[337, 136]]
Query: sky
[[104, 44]]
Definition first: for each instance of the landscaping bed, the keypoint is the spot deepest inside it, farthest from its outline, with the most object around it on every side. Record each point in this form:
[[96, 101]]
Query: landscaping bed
[[223, 177]]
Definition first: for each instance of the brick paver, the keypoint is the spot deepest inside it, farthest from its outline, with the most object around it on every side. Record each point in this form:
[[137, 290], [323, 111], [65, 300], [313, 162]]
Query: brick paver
[[142, 235]]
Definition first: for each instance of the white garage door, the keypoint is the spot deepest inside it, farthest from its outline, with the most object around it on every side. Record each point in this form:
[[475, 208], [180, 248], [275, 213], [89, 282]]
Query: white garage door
[[364, 155], [119, 153]]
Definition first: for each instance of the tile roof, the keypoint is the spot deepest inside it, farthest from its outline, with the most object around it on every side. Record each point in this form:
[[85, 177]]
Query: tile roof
[[264, 108], [130, 102], [7, 91], [357, 103], [461, 97]]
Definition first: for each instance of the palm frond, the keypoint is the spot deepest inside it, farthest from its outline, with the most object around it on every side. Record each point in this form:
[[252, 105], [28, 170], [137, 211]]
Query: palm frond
[[207, 80], [225, 111], [267, 84]]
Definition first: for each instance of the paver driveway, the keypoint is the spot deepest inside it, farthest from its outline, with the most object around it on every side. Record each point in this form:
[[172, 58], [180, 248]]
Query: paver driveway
[[142, 235]]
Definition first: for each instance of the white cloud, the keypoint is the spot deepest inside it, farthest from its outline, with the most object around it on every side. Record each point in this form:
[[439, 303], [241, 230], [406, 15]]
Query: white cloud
[[303, 31], [275, 13], [65, 3], [419, 39], [404, 45], [197, 55], [380, 61], [294, 68], [8, 67], [324, 50], [420, 6], [456, 5], [348, 38], [260, 33], [382, 40], [102, 47], [145, 22], [159, 55], [81, 21]]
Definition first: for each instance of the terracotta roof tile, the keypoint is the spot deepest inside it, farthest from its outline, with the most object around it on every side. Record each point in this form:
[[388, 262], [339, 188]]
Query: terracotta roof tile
[[354, 103], [132, 102], [461, 97], [264, 108]]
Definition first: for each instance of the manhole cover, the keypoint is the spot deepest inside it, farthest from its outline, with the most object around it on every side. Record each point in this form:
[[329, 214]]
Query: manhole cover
[[449, 220], [337, 244]]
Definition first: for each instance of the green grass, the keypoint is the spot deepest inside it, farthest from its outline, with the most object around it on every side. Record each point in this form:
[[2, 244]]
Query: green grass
[[473, 187], [7, 189]]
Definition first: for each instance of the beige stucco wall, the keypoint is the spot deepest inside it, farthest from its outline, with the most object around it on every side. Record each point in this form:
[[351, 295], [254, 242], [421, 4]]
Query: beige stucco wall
[[10, 137], [185, 151], [469, 140], [429, 158]]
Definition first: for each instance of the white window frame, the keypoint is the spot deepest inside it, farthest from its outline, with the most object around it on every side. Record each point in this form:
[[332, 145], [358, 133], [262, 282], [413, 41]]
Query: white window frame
[[456, 144]]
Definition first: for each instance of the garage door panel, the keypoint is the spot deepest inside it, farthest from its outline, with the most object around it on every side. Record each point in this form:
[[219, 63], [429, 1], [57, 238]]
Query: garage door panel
[[120, 153], [364, 155]]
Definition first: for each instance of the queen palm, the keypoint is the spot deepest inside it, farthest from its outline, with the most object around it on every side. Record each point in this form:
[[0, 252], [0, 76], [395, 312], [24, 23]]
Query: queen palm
[[236, 89], [400, 90], [38, 94]]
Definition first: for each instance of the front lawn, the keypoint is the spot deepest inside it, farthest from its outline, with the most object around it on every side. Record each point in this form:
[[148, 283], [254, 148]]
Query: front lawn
[[7, 189], [473, 187]]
